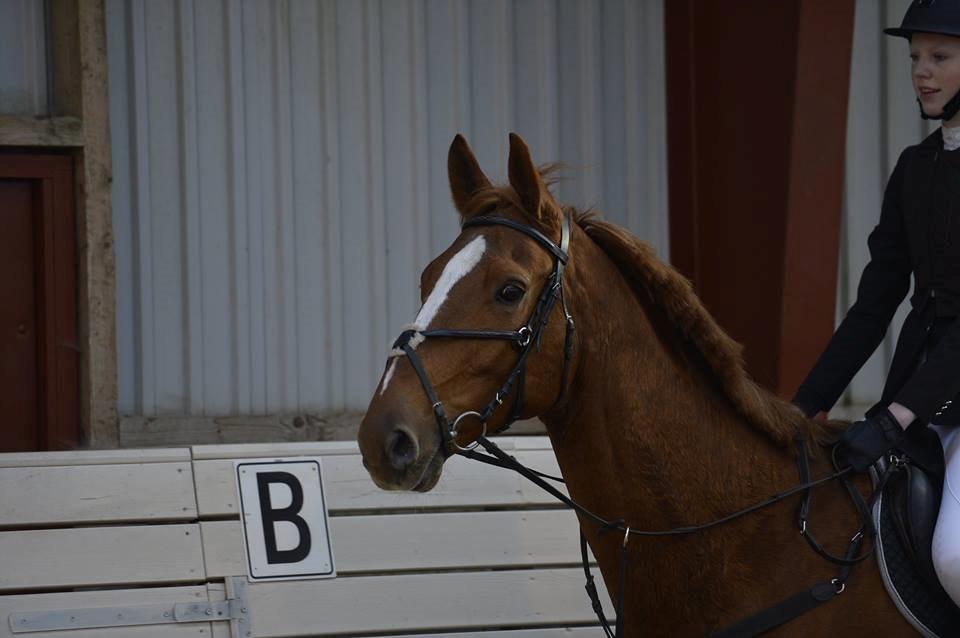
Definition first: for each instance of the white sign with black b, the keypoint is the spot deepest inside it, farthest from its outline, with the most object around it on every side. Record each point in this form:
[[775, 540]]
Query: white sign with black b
[[284, 515]]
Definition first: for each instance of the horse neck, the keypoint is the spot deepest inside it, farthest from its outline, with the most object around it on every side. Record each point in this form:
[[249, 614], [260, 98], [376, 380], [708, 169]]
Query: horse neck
[[644, 418]]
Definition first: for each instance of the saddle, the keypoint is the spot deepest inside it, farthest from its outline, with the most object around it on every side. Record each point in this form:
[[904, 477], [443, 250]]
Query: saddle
[[905, 515]]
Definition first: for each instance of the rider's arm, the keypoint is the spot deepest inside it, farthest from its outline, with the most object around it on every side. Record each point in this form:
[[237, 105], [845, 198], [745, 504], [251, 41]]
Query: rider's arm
[[883, 285]]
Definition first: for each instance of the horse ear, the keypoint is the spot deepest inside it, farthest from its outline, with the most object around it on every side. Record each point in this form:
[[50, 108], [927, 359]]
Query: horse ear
[[526, 180], [464, 173]]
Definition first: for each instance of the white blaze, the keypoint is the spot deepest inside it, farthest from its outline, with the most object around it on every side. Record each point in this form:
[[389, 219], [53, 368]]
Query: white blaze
[[456, 269], [388, 375]]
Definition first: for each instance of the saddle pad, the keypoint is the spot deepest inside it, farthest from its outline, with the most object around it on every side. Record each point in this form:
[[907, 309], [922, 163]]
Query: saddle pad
[[930, 610]]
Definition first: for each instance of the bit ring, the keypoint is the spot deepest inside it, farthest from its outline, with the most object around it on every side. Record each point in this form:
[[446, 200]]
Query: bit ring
[[454, 432]]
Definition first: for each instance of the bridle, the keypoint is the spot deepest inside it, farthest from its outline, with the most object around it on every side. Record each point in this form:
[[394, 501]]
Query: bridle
[[526, 338]]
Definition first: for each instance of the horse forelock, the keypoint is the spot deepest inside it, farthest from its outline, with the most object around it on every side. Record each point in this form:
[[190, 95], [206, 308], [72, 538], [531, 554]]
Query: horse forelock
[[722, 357]]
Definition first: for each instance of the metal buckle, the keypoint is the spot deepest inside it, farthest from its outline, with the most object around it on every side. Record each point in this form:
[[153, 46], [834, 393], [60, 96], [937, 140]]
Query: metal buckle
[[898, 461], [838, 585], [524, 335], [454, 431]]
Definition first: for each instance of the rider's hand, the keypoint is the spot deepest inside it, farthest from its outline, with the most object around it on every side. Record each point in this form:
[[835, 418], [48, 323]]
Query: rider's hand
[[866, 441]]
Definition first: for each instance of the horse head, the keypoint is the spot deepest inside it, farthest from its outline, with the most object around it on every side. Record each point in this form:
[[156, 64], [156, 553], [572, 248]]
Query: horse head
[[483, 348]]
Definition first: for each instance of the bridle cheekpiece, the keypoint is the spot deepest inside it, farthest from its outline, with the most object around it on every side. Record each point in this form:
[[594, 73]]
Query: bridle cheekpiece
[[527, 338]]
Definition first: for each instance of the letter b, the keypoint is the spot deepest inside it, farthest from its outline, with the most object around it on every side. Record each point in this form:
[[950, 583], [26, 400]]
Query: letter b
[[271, 516]]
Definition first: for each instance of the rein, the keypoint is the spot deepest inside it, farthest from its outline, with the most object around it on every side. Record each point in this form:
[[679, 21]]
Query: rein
[[528, 337], [788, 609]]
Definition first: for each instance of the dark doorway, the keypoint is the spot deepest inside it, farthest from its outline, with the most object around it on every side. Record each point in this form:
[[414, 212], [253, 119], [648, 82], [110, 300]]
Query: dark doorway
[[38, 303]]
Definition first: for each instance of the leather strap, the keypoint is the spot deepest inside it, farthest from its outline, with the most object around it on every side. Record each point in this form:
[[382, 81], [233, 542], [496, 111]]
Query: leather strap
[[591, 588], [519, 336], [866, 524], [784, 611], [794, 606], [560, 252]]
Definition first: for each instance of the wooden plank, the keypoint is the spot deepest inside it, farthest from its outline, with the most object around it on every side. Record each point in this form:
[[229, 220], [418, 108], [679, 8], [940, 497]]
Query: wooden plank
[[61, 366], [348, 486], [96, 258], [63, 495], [253, 450], [215, 592], [528, 442], [554, 632], [108, 598], [148, 554], [30, 131], [64, 61], [142, 431], [300, 428], [436, 541], [93, 457], [269, 450], [422, 602]]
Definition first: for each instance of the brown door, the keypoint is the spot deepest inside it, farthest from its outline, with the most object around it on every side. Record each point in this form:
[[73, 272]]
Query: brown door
[[38, 323], [19, 382]]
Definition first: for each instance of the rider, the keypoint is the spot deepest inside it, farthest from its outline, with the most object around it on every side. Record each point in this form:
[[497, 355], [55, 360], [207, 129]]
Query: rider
[[918, 233]]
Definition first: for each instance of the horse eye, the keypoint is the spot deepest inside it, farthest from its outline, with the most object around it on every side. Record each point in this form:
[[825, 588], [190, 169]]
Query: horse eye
[[510, 294]]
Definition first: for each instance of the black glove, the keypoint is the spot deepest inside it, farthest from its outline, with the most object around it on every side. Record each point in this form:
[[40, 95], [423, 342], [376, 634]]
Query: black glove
[[866, 441]]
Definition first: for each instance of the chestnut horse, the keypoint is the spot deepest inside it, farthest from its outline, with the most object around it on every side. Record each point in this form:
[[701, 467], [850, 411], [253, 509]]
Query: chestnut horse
[[653, 421]]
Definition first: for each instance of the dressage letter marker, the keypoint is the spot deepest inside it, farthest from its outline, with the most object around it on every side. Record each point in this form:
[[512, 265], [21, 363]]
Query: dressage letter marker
[[284, 515]]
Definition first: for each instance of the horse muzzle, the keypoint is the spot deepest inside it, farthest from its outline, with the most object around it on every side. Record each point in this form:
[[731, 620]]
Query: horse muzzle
[[396, 457]]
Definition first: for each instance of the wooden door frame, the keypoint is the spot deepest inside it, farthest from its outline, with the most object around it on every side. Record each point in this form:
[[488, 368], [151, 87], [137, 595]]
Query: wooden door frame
[[52, 180], [80, 124]]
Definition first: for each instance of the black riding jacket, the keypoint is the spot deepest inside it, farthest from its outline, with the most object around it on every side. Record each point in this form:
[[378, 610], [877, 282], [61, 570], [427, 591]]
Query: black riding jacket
[[918, 234]]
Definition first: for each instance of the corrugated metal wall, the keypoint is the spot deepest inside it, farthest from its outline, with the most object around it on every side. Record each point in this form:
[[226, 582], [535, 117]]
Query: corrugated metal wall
[[280, 181], [883, 120], [23, 59]]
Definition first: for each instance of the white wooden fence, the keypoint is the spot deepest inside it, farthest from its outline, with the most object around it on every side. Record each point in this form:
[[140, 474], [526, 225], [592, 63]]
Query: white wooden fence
[[119, 538]]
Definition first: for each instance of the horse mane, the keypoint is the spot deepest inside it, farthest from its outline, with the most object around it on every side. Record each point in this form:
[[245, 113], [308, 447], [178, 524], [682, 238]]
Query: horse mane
[[718, 355], [721, 356]]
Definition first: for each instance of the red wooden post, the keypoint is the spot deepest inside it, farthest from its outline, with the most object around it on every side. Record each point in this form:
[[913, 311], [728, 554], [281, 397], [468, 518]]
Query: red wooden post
[[757, 110]]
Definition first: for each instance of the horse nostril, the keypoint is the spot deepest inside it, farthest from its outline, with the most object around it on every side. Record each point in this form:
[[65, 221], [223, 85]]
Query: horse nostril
[[401, 449]]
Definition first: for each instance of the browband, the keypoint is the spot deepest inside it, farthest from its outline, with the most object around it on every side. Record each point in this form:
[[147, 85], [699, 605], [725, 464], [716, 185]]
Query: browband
[[560, 252]]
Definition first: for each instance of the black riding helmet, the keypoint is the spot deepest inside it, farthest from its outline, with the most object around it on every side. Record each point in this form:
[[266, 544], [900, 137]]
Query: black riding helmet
[[932, 16]]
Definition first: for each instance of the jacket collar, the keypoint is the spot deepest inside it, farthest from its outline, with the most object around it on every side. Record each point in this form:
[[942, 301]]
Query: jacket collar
[[933, 142]]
